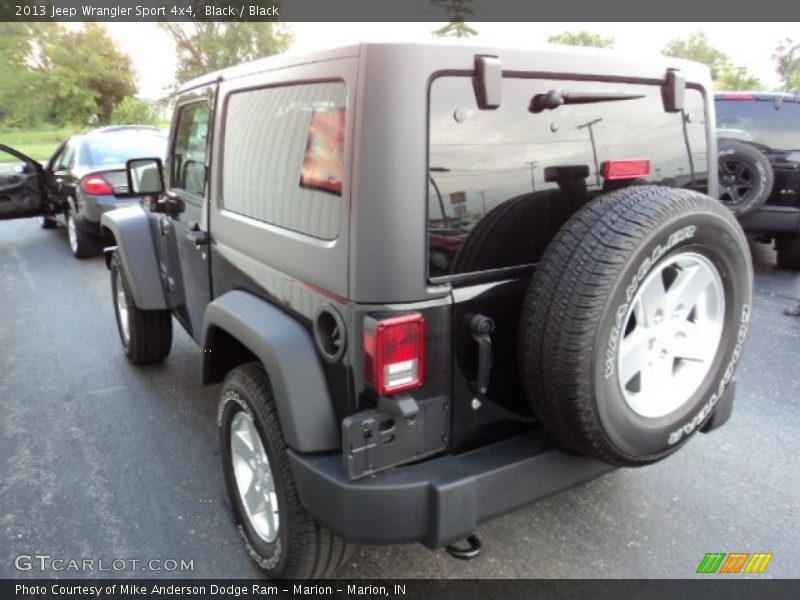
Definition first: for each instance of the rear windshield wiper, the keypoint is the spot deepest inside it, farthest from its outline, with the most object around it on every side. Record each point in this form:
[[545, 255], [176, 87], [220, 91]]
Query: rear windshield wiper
[[555, 98]]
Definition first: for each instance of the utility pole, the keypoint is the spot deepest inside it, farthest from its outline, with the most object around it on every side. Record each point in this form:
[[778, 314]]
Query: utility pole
[[590, 126], [532, 164]]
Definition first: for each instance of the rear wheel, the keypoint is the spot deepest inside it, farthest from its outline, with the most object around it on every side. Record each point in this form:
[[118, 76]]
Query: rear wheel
[[634, 322], [788, 250], [146, 335], [280, 536], [81, 244]]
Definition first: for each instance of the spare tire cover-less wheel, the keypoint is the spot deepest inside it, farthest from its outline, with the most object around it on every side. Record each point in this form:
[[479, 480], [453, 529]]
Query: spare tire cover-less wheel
[[745, 177], [634, 321]]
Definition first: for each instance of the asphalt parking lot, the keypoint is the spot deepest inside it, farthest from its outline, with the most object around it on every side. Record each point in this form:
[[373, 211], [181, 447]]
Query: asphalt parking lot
[[102, 460]]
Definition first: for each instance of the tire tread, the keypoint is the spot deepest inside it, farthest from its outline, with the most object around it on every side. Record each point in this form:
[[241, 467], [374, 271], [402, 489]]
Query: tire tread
[[566, 298], [316, 552]]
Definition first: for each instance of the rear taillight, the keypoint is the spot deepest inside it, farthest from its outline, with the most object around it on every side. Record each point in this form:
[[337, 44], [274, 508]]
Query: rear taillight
[[626, 169], [94, 185], [394, 351]]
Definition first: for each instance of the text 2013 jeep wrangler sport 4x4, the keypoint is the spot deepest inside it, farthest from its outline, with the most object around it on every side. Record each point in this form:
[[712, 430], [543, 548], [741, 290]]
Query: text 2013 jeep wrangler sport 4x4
[[438, 282]]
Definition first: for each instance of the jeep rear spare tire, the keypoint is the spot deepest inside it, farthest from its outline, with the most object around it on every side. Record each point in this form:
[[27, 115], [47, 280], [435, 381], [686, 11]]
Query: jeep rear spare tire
[[634, 321], [745, 177]]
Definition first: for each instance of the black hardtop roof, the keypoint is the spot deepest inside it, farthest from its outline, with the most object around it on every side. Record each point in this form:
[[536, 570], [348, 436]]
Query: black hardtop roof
[[614, 62]]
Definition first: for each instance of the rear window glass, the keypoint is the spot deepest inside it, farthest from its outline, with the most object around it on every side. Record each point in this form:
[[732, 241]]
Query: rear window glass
[[501, 182], [112, 149], [764, 122]]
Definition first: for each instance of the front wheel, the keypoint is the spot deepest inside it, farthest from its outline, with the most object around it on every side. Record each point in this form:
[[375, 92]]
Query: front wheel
[[146, 335], [280, 536]]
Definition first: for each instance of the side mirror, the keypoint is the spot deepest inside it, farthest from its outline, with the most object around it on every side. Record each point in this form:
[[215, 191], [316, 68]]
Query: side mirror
[[22, 169], [145, 176]]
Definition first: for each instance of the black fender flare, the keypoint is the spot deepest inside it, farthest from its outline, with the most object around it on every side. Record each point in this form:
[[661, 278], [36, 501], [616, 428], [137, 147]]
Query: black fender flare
[[287, 353], [133, 234]]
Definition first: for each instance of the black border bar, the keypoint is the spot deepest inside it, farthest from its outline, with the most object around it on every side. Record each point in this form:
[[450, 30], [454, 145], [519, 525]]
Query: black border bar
[[475, 11], [712, 588]]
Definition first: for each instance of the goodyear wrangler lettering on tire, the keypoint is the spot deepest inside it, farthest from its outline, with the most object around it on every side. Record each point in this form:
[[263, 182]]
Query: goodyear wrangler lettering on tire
[[641, 273], [634, 322]]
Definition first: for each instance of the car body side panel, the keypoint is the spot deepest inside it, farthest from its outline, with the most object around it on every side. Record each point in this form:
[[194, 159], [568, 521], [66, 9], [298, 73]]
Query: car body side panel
[[132, 231], [286, 350]]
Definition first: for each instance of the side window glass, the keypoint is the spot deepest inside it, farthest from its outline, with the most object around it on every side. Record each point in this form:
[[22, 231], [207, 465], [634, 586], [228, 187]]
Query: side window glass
[[283, 156], [66, 159], [188, 165]]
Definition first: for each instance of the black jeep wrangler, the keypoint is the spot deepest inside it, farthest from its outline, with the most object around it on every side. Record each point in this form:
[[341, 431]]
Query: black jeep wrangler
[[759, 167], [437, 283]]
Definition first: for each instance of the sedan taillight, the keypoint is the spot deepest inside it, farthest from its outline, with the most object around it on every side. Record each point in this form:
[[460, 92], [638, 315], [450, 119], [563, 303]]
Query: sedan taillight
[[95, 185]]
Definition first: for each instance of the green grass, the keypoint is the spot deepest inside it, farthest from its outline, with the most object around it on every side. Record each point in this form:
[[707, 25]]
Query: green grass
[[37, 143], [40, 143]]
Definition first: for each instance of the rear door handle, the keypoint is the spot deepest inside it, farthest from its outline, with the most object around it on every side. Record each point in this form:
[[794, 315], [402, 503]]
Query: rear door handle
[[481, 329]]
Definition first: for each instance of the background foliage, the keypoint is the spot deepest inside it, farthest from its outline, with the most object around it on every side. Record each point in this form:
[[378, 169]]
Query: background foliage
[[56, 77]]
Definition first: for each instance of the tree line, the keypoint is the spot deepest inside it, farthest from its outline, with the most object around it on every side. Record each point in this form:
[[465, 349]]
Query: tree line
[[53, 74], [696, 46], [58, 75]]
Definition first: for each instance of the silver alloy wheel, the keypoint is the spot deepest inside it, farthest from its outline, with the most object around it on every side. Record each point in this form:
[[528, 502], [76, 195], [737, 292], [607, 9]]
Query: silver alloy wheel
[[672, 331], [253, 475], [122, 309], [72, 233]]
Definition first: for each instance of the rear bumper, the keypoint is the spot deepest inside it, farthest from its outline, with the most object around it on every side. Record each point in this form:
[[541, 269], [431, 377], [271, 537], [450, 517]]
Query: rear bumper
[[442, 500], [438, 501], [773, 219]]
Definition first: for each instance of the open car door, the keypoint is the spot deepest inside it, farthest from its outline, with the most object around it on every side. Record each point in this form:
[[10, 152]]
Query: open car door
[[23, 189]]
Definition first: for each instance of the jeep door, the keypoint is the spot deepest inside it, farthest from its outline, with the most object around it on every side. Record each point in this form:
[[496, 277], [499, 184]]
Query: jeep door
[[187, 204], [23, 185]]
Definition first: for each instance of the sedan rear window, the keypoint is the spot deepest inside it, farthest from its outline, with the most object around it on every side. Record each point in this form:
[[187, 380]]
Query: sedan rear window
[[107, 149]]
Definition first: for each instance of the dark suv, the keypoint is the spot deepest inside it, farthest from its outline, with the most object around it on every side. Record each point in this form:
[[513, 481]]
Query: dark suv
[[759, 147], [436, 283]]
